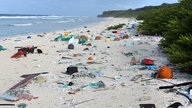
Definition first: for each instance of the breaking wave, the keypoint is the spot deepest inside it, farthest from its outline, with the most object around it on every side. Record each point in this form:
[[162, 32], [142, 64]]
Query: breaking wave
[[31, 17], [24, 24], [63, 21]]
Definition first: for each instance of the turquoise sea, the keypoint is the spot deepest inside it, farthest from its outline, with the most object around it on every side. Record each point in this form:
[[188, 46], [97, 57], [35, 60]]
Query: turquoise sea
[[23, 25]]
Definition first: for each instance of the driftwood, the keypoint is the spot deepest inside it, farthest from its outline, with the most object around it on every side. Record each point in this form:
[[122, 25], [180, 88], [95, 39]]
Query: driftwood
[[147, 105], [91, 62], [21, 83], [175, 85], [186, 95], [108, 77], [35, 74], [83, 102], [67, 57], [7, 104], [24, 82], [74, 91], [136, 77]]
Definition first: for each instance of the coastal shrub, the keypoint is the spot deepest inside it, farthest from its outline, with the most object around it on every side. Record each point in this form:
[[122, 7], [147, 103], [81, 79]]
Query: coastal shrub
[[115, 27], [180, 52], [137, 13], [178, 38], [174, 25], [155, 22]]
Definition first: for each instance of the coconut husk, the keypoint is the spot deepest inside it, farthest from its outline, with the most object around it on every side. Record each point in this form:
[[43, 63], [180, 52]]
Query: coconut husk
[[84, 37], [90, 58], [89, 44], [117, 39], [98, 38], [125, 36]]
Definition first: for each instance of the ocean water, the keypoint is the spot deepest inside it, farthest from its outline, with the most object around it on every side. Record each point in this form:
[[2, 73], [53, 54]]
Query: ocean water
[[23, 25]]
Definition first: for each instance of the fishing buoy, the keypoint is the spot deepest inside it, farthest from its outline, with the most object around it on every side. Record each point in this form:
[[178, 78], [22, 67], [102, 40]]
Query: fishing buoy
[[66, 33]]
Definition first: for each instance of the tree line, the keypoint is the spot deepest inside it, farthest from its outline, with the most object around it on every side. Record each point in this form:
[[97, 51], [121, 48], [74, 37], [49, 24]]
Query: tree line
[[132, 12], [174, 24]]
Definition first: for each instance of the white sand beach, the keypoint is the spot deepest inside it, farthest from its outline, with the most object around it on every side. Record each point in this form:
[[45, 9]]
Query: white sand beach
[[111, 66]]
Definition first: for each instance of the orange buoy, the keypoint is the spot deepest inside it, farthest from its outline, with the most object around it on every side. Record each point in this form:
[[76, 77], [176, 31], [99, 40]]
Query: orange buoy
[[164, 72]]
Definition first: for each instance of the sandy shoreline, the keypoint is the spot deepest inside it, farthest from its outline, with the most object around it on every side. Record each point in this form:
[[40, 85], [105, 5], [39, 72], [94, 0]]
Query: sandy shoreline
[[111, 61]]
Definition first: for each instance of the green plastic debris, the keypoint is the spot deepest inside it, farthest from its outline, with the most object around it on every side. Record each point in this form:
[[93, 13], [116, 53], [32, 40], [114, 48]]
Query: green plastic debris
[[63, 38], [62, 85], [82, 41], [21, 105], [94, 46], [99, 84], [102, 67], [92, 69], [128, 54], [1, 48], [79, 64]]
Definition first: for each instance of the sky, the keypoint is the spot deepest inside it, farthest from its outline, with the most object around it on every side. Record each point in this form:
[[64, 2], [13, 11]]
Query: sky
[[73, 7]]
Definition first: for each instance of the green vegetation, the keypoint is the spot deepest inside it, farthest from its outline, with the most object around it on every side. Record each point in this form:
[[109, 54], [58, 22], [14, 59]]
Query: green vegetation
[[180, 52], [131, 12], [115, 27], [174, 24]]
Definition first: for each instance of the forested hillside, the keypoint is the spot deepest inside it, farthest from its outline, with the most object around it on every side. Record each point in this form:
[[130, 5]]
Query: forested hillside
[[131, 12], [174, 24]]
